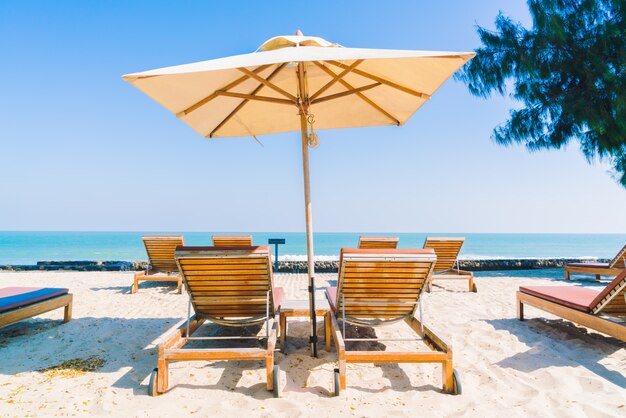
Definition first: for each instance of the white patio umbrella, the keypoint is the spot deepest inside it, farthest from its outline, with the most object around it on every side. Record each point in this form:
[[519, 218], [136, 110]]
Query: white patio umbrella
[[299, 83]]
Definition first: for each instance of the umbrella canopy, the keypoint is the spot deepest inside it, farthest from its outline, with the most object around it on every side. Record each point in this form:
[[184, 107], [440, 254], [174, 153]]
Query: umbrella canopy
[[298, 83], [259, 93]]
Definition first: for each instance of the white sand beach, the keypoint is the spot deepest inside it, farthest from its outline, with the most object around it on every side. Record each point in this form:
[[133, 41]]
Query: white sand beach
[[541, 367]]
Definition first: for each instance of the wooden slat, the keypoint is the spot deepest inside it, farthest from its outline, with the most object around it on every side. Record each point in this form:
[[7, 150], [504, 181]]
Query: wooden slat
[[232, 240], [383, 280], [378, 242], [227, 282], [447, 250], [160, 250], [394, 357], [215, 354]]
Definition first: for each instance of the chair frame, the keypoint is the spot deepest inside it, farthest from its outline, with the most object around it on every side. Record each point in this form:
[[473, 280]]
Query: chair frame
[[612, 269], [171, 349], [453, 273], [376, 241], [150, 274], [440, 351], [598, 320], [28, 311]]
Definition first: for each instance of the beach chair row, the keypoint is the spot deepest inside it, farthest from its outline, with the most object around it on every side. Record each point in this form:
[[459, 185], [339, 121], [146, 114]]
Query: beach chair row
[[233, 285], [162, 264]]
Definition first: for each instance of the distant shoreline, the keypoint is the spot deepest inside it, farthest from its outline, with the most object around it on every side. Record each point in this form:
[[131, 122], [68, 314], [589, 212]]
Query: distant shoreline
[[299, 266]]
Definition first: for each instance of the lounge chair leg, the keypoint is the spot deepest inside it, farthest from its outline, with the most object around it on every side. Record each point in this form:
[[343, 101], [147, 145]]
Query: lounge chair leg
[[67, 315], [448, 372], [327, 336], [598, 277], [342, 373], [567, 274], [269, 369], [162, 383], [135, 287], [471, 282], [283, 331], [180, 285], [271, 345], [520, 310]]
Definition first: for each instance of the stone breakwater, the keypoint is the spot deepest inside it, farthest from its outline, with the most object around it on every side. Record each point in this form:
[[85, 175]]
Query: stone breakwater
[[327, 266]]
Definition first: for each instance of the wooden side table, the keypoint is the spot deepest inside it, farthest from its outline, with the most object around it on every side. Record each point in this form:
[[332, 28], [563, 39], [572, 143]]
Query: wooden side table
[[300, 308]]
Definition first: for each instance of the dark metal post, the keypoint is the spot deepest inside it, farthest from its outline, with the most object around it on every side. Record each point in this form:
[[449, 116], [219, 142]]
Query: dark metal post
[[313, 337], [276, 241]]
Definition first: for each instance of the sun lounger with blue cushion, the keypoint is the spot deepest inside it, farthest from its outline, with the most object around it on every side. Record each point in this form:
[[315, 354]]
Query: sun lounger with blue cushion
[[18, 303]]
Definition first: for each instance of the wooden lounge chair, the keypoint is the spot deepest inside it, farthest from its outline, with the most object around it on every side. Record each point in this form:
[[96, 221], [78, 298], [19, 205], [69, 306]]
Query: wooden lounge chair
[[232, 240], [603, 311], [18, 303], [378, 242], [161, 262], [230, 286], [377, 287], [447, 267], [612, 268]]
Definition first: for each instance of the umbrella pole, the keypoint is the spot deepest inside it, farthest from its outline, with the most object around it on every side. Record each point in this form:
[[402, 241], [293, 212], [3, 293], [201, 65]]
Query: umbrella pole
[[309, 232]]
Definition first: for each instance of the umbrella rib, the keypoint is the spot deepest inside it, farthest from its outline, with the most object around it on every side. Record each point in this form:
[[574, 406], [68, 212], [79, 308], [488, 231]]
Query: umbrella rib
[[243, 103], [361, 95], [345, 93], [254, 97], [268, 83], [336, 78], [381, 80], [213, 95]]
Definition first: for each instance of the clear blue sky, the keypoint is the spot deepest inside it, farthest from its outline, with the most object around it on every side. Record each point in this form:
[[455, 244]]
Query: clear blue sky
[[82, 150]]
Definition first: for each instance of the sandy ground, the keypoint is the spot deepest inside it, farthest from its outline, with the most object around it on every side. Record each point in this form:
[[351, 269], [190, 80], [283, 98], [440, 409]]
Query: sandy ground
[[541, 367]]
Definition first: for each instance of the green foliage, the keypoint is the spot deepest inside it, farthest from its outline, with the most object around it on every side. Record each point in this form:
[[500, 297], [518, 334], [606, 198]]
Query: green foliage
[[569, 71]]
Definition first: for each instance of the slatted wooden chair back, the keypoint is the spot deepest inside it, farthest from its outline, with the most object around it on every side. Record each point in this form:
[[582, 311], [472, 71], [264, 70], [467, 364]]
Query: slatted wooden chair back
[[612, 300], [160, 250], [381, 285], [232, 240], [228, 284], [619, 261], [378, 242], [447, 250]]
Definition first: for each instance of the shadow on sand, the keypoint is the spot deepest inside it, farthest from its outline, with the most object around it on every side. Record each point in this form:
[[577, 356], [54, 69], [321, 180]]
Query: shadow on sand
[[161, 287], [559, 343]]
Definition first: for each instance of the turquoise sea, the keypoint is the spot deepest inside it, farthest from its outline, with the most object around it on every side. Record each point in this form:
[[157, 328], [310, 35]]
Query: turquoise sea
[[30, 247]]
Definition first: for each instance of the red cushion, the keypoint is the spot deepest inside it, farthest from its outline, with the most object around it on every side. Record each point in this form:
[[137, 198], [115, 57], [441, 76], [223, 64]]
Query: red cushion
[[331, 295], [574, 297], [590, 265], [278, 293]]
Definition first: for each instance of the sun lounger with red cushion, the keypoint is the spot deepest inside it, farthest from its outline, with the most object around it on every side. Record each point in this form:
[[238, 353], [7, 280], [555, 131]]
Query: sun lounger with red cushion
[[603, 311], [18, 303], [612, 268]]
